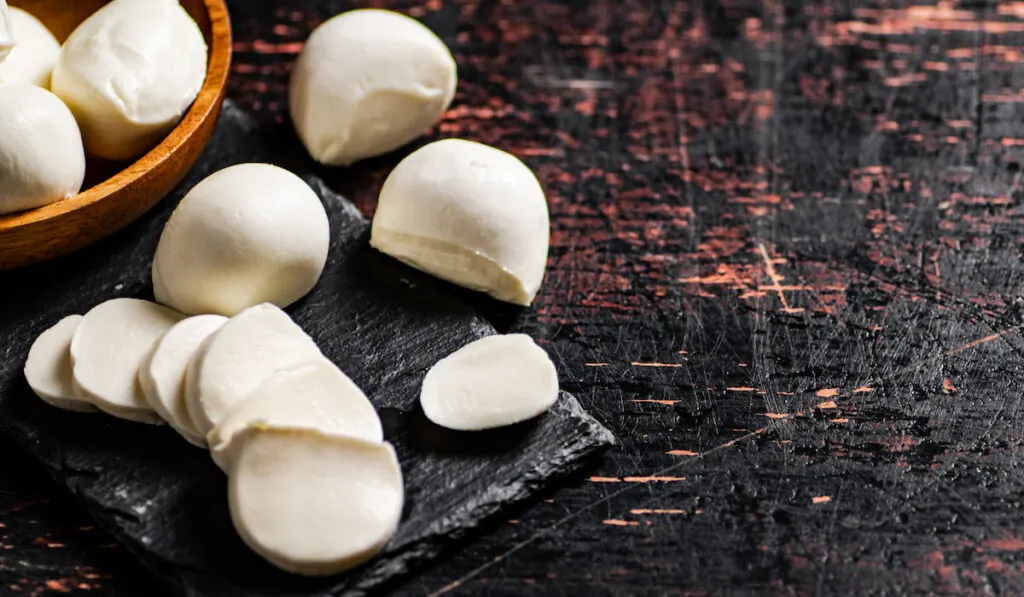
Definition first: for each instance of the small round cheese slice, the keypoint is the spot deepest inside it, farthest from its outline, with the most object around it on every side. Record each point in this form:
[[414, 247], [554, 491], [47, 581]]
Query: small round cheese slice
[[110, 344], [317, 396], [240, 356], [162, 376], [492, 382], [48, 368], [312, 503]]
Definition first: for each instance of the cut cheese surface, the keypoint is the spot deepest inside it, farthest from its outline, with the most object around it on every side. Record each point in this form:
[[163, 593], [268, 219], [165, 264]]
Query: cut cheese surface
[[48, 368], [163, 374], [316, 396], [493, 382], [312, 503], [241, 355], [110, 345]]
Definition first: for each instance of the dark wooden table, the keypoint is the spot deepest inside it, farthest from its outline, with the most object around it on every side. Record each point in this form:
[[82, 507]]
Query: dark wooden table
[[785, 271]]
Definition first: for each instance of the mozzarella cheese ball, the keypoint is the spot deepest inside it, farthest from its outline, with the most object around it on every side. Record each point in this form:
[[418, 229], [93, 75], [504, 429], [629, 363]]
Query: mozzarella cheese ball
[[129, 72], [248, 234], [7, 41], [467, 213], [32, 59], [41, 155], [368, 82]]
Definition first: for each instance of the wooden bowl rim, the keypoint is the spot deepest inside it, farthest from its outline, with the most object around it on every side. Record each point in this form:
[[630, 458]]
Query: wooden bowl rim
[[207, 101]]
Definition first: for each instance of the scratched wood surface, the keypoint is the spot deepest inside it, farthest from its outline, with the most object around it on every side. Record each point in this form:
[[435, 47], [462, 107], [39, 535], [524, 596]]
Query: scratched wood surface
[[785, 271]]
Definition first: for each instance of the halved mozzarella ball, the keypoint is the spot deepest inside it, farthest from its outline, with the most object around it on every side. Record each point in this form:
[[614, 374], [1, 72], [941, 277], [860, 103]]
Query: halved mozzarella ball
[[492, 382], [111, 343], [248, 234], [237, 358], [313, 503], [317, 396], [48, 368], [368, 82], [469, 214], [129, 72], [32, 59], [41, 155], [162, 376]]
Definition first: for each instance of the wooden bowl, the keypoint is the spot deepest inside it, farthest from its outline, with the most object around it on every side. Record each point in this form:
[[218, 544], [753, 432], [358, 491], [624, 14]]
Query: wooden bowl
[[115, 194]]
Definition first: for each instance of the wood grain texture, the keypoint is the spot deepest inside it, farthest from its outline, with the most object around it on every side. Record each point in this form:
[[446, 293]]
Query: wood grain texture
[[115, 194], [785, 272]]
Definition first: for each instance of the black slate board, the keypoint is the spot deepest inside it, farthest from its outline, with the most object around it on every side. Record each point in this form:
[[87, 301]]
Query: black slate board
[[383, 323]]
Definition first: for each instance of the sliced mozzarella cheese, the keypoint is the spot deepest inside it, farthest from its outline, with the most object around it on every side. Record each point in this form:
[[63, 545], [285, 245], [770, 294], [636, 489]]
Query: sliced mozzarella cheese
[[162, 376], [238, 357], [317, 396], [41, 155], [111, 343], [129, 72], [467, 213], [493, 382], [32, 59], [48, 368], [367, 82], [313, 503], [248, 234]]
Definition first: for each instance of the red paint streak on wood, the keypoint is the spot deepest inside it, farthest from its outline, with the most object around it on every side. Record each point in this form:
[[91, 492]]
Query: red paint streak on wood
[[904, 80], [1009, 544], [863, 389], [948, 387], [777, 415], [980, 341], [821, 499], [60, 586], [596, 364], [656, 511], [741, 389], [681, 453], [605, 480], [842, 420], [621, 523], [262, 47], [827, 404], [653, 401], [638, 364], [827, 393], [653, 479]]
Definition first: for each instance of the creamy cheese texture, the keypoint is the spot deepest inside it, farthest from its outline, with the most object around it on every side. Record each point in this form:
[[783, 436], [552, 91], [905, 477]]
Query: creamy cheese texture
[[129, 72], [7, 40], [32, 59], [368, 82], [48, 367], [467, 213], [41, 155], [245, 235]]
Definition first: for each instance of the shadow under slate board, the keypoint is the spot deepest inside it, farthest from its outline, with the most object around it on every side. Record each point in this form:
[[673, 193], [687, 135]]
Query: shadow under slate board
[[383, 323]]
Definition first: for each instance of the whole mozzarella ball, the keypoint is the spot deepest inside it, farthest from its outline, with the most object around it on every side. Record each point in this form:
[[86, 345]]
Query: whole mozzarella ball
[[41, 155], [7, 41], [32, 59], [368, 82], [248, 234], [129, 72]]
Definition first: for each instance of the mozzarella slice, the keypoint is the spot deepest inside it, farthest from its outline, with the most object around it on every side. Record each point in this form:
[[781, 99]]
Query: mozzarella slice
[[313, 503], [110, 344], [162, 376], [32, 60], [240, 356], [469, 214], [48, 368], [316, 396], [493, 382]]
